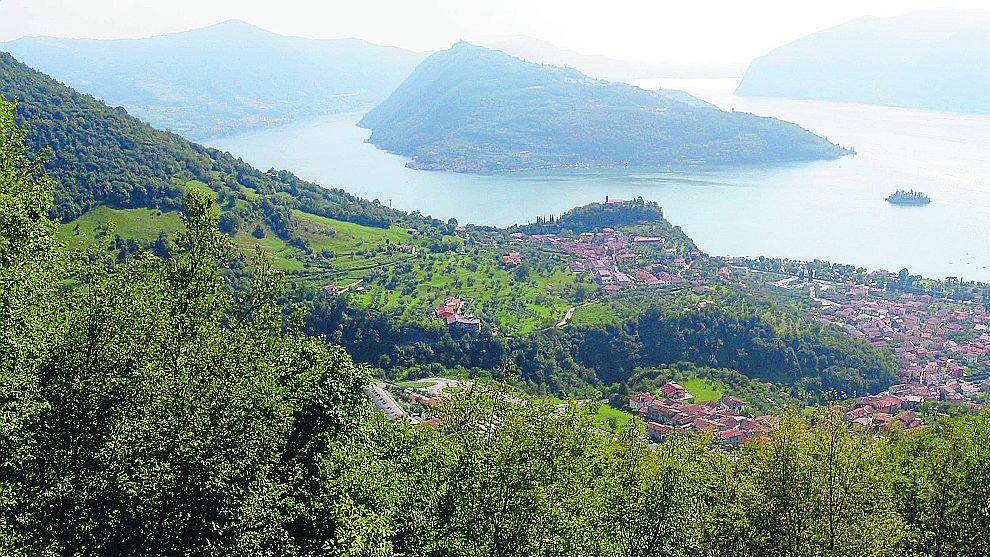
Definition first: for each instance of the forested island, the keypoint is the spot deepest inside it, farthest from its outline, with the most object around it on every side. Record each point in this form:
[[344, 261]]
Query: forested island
[[472, 109], [188, 343]]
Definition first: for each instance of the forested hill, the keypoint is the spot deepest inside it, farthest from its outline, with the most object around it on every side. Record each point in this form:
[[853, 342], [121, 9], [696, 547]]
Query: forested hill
[[470, 109], [221, 79], [928, 60], [100, 155]]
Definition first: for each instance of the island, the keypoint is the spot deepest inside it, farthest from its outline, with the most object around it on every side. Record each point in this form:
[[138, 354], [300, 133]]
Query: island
[[474, 109], [910, 197]]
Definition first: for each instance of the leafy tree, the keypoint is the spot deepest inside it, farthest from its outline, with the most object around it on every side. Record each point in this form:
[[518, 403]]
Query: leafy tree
[[149, 409]]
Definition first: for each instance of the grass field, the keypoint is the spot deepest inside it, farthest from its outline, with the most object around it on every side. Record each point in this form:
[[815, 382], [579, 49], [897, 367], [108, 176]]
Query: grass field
[[704, 390], [612, 419], [355, 249], [129, 224], [401, 276], [414, 384], [353, 246], [594, 314]]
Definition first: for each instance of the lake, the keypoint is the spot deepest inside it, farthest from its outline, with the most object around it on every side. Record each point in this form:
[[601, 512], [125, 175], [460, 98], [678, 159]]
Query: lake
[[833, 210]]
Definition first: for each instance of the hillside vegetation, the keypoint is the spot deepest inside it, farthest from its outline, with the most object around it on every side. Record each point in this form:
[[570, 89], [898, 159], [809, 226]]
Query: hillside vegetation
[[103, 156], [173, 405], [389, 270], [151, 410], [472, 109]]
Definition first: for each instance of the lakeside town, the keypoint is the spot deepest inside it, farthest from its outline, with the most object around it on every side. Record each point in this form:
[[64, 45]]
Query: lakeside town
[[942, 346]]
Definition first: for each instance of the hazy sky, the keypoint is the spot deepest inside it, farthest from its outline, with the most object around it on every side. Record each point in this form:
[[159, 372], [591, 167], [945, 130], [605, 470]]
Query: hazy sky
[[705, 31]]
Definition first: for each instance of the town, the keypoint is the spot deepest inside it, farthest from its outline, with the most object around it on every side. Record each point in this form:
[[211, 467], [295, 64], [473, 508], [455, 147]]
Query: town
[[942, 346]]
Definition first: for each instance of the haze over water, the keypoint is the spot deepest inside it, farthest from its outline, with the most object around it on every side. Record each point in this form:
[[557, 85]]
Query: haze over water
[[832, 210]]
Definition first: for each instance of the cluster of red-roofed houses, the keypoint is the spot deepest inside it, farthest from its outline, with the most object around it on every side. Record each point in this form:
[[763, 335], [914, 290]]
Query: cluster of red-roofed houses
[[932, 341], [609, 257], [673, 410], [899, 404], [452, 312]]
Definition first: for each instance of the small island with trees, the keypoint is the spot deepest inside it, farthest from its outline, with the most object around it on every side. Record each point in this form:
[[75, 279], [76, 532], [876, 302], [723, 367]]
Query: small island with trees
[[902, 197]]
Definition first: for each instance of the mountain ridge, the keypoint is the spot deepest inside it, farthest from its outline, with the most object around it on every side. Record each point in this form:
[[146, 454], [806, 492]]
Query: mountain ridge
[[218, 80], [883, 61]]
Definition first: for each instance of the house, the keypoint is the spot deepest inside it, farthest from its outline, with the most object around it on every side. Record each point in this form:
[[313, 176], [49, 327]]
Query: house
[[444, 312], [858, 413], [733, 403], [464, 322], [731, 437], [658, 432], [513, 259], [640, 400], [909, 419], [332, 290], [432, 422], [675, 392]]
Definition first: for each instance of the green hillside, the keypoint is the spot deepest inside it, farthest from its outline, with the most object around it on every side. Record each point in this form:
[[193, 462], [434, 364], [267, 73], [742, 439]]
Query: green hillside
[[392, 269], [472, 109], [102, 156], [130, 224]]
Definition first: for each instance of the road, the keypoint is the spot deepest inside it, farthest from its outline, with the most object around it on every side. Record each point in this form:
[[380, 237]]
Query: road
[[384, 401]]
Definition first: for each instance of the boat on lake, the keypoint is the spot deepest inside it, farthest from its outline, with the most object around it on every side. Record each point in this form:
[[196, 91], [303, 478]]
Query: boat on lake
[[910, 197]]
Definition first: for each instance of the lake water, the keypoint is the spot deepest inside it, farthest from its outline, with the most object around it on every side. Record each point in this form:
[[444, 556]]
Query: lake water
[[830, 210]]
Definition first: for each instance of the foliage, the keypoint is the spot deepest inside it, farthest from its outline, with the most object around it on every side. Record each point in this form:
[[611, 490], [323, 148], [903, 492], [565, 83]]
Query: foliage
[[147, 407], [597, 216]]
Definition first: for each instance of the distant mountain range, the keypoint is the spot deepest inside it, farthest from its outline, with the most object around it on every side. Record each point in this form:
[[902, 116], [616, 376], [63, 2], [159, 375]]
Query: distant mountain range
[[223, 78], [927, 60], [471, 109], [603, 67]]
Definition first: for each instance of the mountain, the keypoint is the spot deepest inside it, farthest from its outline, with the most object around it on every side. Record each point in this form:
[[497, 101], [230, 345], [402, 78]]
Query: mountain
[[470, 108], [926, 60], [601, 67], [101, 155], [221, 79]]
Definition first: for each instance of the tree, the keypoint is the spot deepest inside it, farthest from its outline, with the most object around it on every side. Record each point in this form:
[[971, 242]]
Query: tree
[[229, 223], [31, 267], [523, 272], [150, 408]]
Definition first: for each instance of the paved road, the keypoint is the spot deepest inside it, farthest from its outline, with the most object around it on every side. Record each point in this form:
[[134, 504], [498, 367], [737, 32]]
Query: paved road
[[384, 401]]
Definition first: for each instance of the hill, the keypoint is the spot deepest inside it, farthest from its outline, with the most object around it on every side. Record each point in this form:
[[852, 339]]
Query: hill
[[602, 67], [220, 79], [110, 166], [927, 60], [103, 156], [473, 109]]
